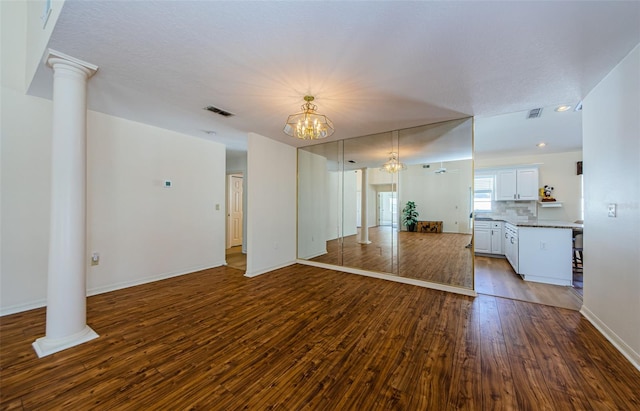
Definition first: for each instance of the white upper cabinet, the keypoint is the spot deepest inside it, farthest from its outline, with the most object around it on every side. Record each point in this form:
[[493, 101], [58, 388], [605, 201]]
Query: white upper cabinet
[[517, 184]]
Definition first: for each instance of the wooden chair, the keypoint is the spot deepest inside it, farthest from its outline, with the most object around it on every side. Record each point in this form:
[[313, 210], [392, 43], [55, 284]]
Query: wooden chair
[[577, 251]]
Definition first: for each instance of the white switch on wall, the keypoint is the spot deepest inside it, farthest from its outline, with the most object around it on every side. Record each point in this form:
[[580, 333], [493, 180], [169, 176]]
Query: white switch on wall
[[612, 210]]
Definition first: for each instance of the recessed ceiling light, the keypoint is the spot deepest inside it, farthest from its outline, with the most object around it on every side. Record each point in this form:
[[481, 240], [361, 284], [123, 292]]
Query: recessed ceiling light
[[563, 108], [541, 145]]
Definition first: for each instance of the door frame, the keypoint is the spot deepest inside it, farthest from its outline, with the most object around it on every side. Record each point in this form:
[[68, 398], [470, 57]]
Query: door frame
[[229, 206]]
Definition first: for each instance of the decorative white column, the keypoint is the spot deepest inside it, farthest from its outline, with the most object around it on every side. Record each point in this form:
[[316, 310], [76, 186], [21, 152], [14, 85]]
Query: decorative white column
[[364, 226], [66, 288]]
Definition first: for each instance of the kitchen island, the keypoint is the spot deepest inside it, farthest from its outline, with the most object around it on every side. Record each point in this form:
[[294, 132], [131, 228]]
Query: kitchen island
[[542, 250]]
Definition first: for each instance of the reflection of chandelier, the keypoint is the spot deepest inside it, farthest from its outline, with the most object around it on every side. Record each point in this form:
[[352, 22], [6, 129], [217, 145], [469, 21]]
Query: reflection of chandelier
[[308, 124], [393, 165]]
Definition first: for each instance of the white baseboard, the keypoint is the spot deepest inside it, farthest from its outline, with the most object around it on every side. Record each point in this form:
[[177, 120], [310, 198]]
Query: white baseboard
[[397, 279], [149, 279], [613, 338], [315, 255], [266, 270], [18, 308]]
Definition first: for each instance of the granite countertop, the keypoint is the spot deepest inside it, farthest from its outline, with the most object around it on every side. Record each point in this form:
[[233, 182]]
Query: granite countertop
[[536, 223], [546, 224]]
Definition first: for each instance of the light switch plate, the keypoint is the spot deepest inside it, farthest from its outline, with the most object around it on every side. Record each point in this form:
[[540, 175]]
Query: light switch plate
[[611, 210]]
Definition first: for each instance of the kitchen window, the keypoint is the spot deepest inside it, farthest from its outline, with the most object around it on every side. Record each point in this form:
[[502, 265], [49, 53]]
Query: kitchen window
[[483, 193]]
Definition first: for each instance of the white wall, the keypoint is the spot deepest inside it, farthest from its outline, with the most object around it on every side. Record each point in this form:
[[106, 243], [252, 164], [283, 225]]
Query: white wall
[[349, 205], [38, 35], [312, 206], [334, 202], [611, 126], [142, 231], [439, 197], [25, 164], [271, 205], [557, 170]]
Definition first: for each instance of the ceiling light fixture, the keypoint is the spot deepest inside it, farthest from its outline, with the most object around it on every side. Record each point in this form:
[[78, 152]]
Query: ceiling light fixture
[[563, 108], [541, 145], [308, 124], [393, 165]]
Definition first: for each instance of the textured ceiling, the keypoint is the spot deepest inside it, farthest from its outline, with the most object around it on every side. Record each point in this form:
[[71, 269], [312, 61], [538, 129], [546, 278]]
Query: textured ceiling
[[372, 66]]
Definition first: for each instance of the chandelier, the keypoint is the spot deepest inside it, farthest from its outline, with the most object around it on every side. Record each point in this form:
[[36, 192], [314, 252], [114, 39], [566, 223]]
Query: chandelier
[[308, 124], [393, 165]]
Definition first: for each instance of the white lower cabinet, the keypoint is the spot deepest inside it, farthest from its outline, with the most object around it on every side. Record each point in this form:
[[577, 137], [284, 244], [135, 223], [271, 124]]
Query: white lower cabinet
[[496, 237], [487, 237], [482, 237]]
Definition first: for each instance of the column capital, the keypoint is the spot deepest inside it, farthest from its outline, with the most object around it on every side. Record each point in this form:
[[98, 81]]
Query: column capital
[[52, 57]]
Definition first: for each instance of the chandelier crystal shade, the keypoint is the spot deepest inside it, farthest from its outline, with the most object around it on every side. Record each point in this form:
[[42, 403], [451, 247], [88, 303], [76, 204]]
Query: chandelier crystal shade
[[308, 124], [393, 165]]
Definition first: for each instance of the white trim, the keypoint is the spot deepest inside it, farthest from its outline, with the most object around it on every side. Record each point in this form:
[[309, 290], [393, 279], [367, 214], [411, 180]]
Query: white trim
[[317, 255], [18, 308], [150, 279], [266, 270], [46, 346], [397, 279], [613, 338], [54, 54]]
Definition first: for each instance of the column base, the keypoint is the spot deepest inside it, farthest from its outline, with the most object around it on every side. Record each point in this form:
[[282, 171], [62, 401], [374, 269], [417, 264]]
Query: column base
[[364, 242], [46, 346]]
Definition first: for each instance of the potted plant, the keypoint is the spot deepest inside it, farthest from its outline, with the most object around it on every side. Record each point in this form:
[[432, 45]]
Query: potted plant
[[410, 216]]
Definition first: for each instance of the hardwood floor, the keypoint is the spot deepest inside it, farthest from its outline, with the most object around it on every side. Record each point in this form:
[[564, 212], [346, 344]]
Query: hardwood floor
[[440, 258], [308, 338], [235, 258], [494, 276]]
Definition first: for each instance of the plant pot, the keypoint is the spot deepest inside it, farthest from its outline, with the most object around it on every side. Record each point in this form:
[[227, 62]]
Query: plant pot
[[411, 227]]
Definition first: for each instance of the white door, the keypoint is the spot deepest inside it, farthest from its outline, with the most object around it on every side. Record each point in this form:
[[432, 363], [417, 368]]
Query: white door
[[387, 208], [235, 210]]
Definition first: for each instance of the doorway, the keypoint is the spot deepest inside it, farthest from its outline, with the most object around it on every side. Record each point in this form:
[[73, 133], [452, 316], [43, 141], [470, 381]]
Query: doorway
[[387, 208], [235, 258], [234, 215]]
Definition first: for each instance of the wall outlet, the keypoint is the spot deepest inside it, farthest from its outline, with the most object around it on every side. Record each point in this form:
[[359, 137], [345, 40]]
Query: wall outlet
[[611, 210], [95, 259]]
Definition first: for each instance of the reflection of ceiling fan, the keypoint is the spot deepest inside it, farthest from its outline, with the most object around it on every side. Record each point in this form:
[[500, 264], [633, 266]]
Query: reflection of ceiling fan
[[443, 170]]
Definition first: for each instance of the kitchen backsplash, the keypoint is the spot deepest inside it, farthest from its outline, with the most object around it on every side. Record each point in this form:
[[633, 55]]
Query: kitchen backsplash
[[520, 211]]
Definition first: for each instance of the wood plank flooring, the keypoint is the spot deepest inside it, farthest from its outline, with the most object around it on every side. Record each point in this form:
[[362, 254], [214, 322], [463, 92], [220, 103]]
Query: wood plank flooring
[[305, 338], [235, 258], [440, 258], [494, 276]]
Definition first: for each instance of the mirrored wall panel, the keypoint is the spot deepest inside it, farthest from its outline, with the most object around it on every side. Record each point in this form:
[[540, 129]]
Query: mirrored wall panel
[[397, 203]]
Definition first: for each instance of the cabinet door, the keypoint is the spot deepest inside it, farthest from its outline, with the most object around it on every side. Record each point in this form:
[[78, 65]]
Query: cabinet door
[[496, 241], [482, 240], [506, 185], [527, 184]]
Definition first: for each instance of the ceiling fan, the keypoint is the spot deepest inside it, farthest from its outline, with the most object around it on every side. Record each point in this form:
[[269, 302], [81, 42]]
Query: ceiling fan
[[443, 170]]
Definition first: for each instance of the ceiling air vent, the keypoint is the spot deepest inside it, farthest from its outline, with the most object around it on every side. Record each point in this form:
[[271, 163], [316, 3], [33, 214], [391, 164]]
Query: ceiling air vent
[[535, 113], [218, 111]]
